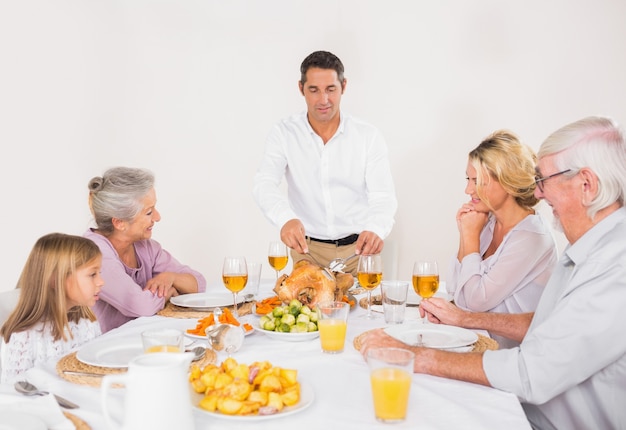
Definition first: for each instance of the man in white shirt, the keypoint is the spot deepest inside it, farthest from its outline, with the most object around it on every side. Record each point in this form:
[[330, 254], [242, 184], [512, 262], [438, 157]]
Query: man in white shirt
[[569, 371], [340, 192]]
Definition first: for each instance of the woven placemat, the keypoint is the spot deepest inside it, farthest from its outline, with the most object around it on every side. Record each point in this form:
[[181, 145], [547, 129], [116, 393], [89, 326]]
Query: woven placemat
[[482, 344], [78, 423], [71, 363], [173, 311]]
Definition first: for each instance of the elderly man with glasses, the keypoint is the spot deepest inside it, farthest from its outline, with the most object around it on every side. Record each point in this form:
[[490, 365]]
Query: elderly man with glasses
[[569, 371]]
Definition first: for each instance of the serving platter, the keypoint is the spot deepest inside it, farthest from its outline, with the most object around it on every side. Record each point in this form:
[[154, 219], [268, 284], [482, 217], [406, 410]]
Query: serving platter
[[206, 300], [288, 337], [437, 336], [307, 396]]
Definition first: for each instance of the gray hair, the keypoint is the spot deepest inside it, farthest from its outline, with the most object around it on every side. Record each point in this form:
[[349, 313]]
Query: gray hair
[[598, 144], [117, 194]]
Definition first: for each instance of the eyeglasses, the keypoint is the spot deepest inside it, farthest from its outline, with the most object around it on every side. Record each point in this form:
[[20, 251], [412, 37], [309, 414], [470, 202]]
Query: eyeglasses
[[539, 180]]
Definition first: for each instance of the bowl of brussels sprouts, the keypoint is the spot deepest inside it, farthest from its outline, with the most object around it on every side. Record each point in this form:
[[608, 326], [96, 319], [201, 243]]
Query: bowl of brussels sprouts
[[292, 322]]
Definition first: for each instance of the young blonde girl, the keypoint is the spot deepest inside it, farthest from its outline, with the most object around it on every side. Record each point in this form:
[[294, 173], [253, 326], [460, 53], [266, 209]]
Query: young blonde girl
[[59, 283]]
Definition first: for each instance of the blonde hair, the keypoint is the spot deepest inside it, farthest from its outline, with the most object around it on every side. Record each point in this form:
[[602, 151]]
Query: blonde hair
[[53, 259], [502, 157]]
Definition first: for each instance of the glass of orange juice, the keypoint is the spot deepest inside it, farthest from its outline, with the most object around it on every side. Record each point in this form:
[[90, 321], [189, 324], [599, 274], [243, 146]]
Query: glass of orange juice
[[391, 373], [332, 322], [162, 340]]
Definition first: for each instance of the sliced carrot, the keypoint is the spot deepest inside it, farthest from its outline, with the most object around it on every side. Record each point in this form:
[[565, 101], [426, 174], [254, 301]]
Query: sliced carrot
[[202, 325], [266, 305]]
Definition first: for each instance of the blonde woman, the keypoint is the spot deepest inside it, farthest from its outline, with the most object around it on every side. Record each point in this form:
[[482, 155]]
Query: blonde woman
[[59, 283], [506, 249]]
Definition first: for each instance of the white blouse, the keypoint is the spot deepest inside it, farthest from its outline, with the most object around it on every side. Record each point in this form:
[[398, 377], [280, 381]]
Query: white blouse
[[513, 278], [31, 347]]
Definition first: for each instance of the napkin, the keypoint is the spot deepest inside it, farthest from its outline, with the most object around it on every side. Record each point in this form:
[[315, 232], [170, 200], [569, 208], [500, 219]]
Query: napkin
[[43, 407]]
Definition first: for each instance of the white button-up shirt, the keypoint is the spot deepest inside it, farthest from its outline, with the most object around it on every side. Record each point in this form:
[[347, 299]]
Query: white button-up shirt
[[570, 370], [336, 189]]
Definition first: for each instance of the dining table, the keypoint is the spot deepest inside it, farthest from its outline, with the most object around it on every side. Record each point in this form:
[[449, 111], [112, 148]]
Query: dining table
[[339, 391]]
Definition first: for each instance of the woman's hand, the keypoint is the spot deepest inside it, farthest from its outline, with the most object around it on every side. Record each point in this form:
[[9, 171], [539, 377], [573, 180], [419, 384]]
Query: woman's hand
[[468, 219], [162, 285]]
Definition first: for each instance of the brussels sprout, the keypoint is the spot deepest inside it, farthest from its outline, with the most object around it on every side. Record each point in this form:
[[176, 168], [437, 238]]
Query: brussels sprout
[[313, 316], [302, 318], [301, 327], [311, 326], [306, 310], [295, 303], [277, 312], [269, 325], [263, 320], [288, 319], [283, 328]]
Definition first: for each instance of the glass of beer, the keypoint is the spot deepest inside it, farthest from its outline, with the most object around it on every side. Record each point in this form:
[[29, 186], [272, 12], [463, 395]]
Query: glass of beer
[[332, 322], [235, 277], [391, 374], [425, 280], [369, 275], [277, 256]]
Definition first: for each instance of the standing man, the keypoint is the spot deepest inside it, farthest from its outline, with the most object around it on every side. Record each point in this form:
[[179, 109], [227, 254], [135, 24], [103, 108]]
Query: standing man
[[340, 192], [569, 371]]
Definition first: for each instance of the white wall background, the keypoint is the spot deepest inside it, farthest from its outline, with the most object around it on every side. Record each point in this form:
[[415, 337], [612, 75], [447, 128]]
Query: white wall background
[[190, 88]]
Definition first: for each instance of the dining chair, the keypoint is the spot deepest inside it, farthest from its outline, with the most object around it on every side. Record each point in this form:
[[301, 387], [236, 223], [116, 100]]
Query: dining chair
[[8, 301]]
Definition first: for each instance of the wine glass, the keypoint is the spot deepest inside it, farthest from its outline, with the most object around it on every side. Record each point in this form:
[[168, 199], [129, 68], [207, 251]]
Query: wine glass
[[425, 280], [277, 256], [235, 277], [369, 275]]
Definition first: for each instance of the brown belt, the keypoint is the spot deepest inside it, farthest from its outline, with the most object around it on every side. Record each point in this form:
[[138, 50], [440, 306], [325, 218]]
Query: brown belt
[[348, 240]]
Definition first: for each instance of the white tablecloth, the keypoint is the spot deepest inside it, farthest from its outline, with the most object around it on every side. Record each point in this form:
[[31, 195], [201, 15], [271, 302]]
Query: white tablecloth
[[340, 383]]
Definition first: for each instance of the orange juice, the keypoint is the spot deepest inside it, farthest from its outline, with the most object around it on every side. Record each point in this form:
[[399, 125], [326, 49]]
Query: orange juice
[[332, 334], [390, 389], [163, 348]]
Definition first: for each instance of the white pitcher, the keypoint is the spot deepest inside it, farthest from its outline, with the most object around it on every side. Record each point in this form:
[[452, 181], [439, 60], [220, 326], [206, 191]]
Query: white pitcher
[[157, 393]]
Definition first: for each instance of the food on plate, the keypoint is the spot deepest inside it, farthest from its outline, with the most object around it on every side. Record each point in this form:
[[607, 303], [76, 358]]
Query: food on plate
[[311, 284], [295, 317], [238, 389], [349, 300], [226, 317], [267, 305]]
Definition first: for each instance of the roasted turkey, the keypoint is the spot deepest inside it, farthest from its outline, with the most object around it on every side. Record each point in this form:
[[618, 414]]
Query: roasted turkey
[[312, 284]]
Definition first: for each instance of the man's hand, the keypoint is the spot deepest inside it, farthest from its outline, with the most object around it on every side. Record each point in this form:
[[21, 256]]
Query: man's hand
[[368, 243], [442, 311], [292, 235]]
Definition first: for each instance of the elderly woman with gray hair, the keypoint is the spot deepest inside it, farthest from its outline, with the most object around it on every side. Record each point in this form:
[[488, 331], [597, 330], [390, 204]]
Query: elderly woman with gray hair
[[140, 276]]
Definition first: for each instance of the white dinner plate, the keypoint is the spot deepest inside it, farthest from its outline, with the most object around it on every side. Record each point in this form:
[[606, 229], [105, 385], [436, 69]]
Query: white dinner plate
[[433, 335], [306, 399], [205, 300], [289, 337], [14, 420], [113, 353]]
